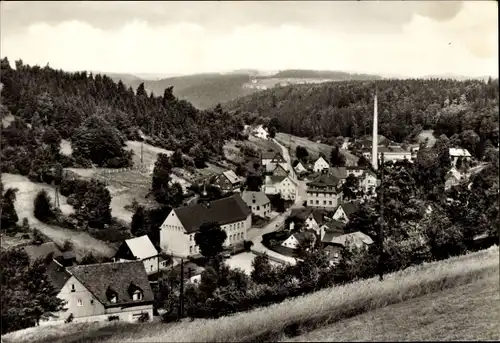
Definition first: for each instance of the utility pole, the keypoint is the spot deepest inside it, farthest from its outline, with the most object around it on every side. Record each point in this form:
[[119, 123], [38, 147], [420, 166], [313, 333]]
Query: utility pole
[[181, 295], [381, 223]]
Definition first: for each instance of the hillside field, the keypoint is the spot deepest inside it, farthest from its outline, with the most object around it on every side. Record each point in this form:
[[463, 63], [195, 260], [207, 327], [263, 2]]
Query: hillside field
[[312, 147], [317, 310]]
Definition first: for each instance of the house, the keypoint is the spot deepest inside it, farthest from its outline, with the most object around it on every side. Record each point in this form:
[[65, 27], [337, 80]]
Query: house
[[228, 181], [182, 223], [394, 153], [258, 202], [299, 168], [355, 170], [368, 181], [101, 292], [283, 185], [192, 272], [277, 169], [344, 212], [44, 251], [338, 172], [324, 191], [455, 154], [316, 219], [357, 239], [297, 239], [270, 159], [140, 248], [320, 165], [453, 178], [260, 132]]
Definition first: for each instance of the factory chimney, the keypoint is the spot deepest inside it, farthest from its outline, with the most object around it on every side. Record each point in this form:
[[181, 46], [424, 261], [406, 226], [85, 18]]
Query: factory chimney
[[375, 133]]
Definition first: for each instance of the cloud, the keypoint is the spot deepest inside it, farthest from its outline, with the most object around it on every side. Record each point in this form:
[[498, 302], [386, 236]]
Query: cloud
[[407, 38]]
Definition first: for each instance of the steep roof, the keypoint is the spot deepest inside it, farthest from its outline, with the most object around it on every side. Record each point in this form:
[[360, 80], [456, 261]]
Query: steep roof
[[274, 179], [356, 167], [271, 155], [231, 176], [324, 180], [319, 216], [357, 238], [392, 150], [57, 275], [457, 152], [141, 247], [335, 226], [222, 211], [43, 250], [301, 237], [330, 236], [278, 158], [321, 158], [118, 277], [349, 208], [259, 197]]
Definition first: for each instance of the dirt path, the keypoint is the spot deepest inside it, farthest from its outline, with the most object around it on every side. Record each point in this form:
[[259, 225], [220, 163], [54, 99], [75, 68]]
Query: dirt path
[[83, 242]]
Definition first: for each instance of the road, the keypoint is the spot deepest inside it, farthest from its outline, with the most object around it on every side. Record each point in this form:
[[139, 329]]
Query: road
[[300, 196], [83, 242], [258, 247]]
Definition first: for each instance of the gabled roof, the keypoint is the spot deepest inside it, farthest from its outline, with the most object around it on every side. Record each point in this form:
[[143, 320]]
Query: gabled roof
[[43, 250], [278, 158], [357, 238], [349, 208], [318, 215], [456, 152], [301, 237], [276, 179], [369, 172], [99, 278], [259, 197], [272, 155], [321, 158], [324, 180], [57, 275], [222, 211], [356, 167], [141, 247], [279, 166], [331, 235], [231, 176], [392, 150], [335, 226]]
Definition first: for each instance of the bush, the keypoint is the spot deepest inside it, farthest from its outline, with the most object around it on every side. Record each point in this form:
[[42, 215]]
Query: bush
[[70, 318], [247, 245], [112, 318], [144, 317]]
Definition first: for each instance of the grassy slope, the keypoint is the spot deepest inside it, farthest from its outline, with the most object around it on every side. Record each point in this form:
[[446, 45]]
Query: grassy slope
[[83, 242], [310, 311], [312, 147], [467, 312]]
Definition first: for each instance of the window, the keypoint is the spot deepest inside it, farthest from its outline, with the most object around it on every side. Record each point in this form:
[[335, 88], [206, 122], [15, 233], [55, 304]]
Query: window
[[258, 208], [72, 288], [137, 295], [317, 202], [91, 301], [191, 237], [311, 201], [79, 302], [324, 202], [113, 299], [330, 202], [151, 267]]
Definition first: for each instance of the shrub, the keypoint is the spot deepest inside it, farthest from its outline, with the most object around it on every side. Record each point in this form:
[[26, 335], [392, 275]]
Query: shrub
[[247, 245], [112, 318], [70, 318], [144, 317]]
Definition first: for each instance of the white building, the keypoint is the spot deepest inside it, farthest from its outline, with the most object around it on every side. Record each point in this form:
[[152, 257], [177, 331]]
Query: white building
[[299, 168], [182, 223], [260, 132], [272, 159], [283, 185], [299, 238], [140, 248], [344, 211], [325, 192], [320, 165], [368, 182], [394, 154], [455, 154], [258, 202]]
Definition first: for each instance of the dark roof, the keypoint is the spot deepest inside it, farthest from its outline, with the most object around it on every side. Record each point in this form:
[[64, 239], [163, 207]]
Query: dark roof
[[277, 178], [43, 250], [57, 275], [338, 172], [117, 277], [301, 213], [319, 216], [386, 150], [349, 208], [278, 158], [68, 255], [335, 226], [221, 211], [302, 236], [356, 167], [330, 235], [190, 268], [324, 180]]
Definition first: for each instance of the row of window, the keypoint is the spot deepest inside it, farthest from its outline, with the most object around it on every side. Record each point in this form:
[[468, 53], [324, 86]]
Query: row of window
[[311, 202], [328, 195]]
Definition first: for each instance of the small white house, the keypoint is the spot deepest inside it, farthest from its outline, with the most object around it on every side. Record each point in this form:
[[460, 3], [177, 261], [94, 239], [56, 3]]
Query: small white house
[[299, 168], [283, 185], [368, 181], [455, 154], [260, 132], [320, 165], [258, 202], [141, 249]]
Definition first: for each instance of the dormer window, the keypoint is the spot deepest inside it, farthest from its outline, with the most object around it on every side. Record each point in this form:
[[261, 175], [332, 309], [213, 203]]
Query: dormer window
[[112, 295], [137, 295]]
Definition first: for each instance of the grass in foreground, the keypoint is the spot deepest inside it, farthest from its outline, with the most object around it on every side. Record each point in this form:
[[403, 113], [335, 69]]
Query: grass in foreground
[[467, 312], [310, 312]]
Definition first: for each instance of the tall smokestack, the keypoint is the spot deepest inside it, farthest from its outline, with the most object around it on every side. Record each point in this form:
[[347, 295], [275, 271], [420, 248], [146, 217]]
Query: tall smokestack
[[375, 133]]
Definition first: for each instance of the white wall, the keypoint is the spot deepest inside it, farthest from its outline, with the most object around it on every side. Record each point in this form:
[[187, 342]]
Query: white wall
[[261, 210], [291, 242], [288, 189], [173, 237], [320, 164], [326, 200]]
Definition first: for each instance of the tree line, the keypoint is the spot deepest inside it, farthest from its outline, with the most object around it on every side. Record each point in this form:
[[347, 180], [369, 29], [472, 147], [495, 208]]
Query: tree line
[[405, 107]]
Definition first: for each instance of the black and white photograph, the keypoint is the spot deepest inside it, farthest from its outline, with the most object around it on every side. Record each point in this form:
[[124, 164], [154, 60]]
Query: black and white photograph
[[249, 171]]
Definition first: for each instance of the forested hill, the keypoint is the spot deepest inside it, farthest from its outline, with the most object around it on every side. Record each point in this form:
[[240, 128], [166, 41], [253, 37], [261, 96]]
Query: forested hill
[[405, 107], [97, 115]]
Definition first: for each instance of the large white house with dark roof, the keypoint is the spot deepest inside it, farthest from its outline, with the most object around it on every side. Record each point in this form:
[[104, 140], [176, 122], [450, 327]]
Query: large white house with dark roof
[[178, 230], [141, 249], [100, 292], [228, 181]]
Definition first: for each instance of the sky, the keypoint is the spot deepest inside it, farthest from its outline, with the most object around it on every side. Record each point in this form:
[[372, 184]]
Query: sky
[[390, 38]]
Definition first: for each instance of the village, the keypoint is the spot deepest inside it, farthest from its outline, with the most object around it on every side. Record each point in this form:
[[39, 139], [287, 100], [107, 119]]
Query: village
[[300, 203]]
